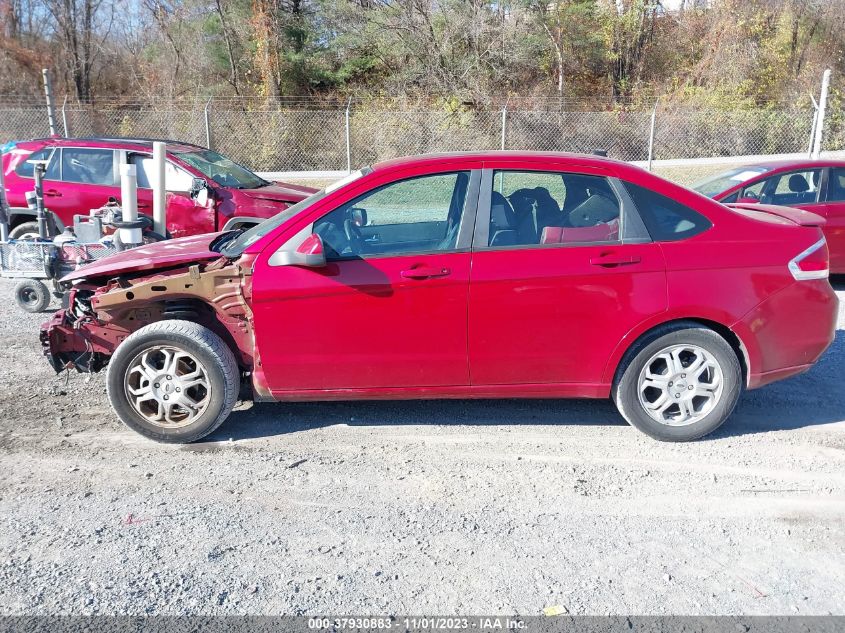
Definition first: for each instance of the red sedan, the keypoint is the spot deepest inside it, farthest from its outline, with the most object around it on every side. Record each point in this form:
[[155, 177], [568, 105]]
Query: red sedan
[[486, 275], [814, 185]]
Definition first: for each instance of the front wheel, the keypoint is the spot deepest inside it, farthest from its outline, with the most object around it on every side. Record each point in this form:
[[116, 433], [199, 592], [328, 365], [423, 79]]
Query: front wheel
[[173, 381], [679, 384]]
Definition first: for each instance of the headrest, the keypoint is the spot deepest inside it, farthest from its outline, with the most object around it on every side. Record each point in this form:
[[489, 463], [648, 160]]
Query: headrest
[[798, 184], [501, 212]]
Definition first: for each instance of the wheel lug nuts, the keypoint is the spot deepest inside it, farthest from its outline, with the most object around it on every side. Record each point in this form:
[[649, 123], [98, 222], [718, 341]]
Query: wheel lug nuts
[[677, 395], [170, 377], [682, 376], [670, 384], [690, 388], [167, 397], [180, 389], [156, 385]]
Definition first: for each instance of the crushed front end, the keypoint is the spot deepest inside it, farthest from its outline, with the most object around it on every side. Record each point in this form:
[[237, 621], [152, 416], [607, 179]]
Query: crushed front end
[[74, 338]]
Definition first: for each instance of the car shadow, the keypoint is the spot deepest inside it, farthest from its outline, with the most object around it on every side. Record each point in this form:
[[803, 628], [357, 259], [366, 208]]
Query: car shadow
[[811, 399]]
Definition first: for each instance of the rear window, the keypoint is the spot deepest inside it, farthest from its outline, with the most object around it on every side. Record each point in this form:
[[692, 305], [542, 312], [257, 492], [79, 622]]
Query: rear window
[[666, 220]]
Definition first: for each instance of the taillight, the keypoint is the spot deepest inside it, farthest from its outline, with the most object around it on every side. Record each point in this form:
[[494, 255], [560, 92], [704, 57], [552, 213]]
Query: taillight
[[813, 263]]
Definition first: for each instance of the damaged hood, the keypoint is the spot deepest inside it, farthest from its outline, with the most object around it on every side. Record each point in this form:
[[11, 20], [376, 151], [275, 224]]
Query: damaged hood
[[279, 192], [149, 257]]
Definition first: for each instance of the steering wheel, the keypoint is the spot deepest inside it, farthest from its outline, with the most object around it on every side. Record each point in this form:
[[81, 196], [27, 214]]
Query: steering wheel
[[354, 236]]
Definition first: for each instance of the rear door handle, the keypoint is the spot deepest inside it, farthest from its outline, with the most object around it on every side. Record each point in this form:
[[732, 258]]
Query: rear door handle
[[54, 193], [425, 272], [612, 260]]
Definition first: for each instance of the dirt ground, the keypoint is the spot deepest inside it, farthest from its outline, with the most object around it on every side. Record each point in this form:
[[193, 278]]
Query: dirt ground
[[417, 508]]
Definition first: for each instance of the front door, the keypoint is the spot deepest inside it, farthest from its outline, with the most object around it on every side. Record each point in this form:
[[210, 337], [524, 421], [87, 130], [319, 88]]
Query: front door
[[390, 308], [558, 279]]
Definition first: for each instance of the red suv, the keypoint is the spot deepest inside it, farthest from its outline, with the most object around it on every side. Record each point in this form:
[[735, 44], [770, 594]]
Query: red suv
[[486, 275], [206, 191]]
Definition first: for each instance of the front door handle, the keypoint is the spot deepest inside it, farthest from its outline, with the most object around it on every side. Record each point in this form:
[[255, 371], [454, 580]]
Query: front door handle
[[425, 272], [614, 259], [53, 193]]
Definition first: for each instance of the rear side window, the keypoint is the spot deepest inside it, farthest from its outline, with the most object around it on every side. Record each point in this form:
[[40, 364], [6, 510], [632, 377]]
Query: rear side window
[[88, 166], [666, 219], [836, 185]]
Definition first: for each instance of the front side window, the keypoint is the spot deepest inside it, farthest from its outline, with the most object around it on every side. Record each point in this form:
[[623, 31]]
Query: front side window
[[535, 208], [836, 185], [666, 220], [27, 170], [417, 215], [175, 179], [88, 166], [791, 188]]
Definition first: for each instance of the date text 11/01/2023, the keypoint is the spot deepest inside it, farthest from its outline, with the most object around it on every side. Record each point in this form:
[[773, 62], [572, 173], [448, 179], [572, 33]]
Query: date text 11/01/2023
[[482, 623]]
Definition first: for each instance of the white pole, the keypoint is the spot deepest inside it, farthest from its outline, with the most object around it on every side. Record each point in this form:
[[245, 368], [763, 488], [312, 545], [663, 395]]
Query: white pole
[[813, 127], [207, 125], [51, 108], [159, 189], [817, 145], [348, 143], [651, 134], [64, 118], [129, 204]]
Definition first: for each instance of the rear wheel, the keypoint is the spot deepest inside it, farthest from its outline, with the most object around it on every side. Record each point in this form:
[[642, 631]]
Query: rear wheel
[[173, 381], [679, 383], [32, 295]]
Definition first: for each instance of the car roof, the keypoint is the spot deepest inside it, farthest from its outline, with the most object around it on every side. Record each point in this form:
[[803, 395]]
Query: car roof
[[114, 142], [798, 163], [499, 155]]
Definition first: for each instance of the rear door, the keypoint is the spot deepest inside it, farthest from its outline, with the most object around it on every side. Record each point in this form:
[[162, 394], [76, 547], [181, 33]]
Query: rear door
[[562, 269]]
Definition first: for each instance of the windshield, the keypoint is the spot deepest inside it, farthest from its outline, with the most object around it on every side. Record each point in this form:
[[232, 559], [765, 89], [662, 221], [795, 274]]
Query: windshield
[[236, 246], [223, 171], [715, 185], [239, 242]]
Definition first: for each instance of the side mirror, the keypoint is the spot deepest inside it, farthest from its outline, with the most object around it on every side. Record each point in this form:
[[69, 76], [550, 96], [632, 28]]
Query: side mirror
[[309, 253], [198, 185]]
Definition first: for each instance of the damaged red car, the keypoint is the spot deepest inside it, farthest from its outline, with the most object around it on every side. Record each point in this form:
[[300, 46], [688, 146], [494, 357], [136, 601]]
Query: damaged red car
[[483, 275]]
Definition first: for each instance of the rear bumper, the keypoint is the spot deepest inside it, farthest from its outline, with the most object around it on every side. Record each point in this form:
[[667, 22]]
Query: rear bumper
[[786, 334]]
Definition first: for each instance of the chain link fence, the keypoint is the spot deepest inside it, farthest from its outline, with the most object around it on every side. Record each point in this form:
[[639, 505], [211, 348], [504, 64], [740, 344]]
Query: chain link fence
[[333, 139]]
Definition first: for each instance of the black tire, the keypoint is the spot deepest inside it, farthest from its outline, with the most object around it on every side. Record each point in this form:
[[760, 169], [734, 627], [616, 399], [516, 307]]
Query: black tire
[[219, 363], [27, 230], [32, 295], [625, 387]]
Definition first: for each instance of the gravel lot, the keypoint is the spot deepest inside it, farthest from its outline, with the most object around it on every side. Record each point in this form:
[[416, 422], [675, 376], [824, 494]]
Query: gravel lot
[[421, 507]]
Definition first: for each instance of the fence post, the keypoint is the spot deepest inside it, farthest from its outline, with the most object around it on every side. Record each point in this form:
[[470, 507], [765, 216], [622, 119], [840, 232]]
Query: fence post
[[64, 118], [348, 136], [817, 143], [651, 133], [207, 125], [504, 123], [813, 126], [51, 108]]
